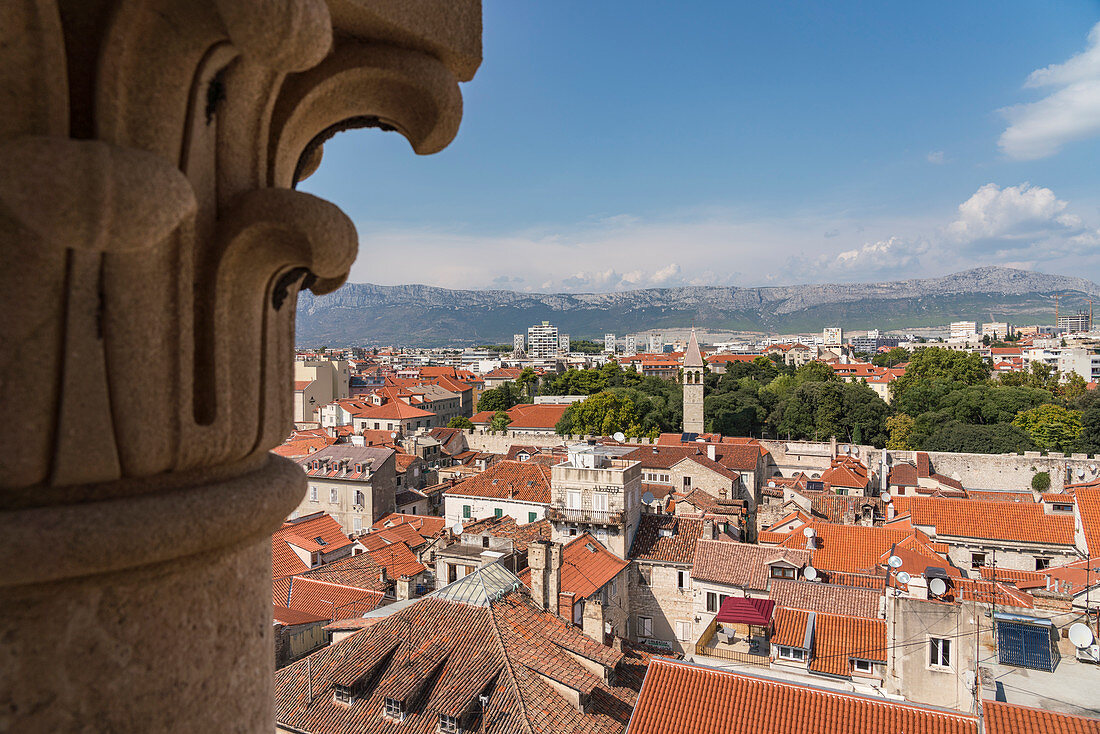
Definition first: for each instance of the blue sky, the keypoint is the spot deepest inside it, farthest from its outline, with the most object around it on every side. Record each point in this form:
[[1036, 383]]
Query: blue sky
[[612, 145]]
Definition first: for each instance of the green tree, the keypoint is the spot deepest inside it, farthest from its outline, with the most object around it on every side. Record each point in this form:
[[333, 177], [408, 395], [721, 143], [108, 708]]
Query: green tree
[[526, 382], [1090, 424], [892, 358], [1041, 481], [460, 421], [500, 421], [1051, 427], [1074, 388], [585, 346], [500, 398], [937, 363], [1000, 438], [900, 427], [602, 414]]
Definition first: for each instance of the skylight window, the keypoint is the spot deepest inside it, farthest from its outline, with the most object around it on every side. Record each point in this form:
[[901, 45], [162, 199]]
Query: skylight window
[[319, 540]]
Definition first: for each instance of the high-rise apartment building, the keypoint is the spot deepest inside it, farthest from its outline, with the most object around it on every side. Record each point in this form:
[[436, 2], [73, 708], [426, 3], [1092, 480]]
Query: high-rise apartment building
[[656, 344], [964, 329], [563, 343], [609, 343], [630, 346], [832, 337], [517, 343], [996, 329], [1080, 321], [542, 341]]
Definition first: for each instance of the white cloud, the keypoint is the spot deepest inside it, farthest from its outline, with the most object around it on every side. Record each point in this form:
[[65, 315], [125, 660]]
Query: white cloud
[[1011, 213], [936, 157], [1070, 112], [995, 225]]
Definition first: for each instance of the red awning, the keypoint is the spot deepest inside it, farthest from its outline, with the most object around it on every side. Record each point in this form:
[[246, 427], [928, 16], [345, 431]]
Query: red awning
[[739, 610]]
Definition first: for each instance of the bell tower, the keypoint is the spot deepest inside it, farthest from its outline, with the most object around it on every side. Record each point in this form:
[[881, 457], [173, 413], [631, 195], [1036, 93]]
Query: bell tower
[[693, 387]]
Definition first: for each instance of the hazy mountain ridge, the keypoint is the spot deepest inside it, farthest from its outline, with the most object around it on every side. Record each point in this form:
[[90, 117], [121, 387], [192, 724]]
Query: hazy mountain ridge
[[364, 313]]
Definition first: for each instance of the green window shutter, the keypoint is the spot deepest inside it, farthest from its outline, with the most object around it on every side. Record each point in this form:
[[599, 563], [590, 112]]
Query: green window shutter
[[532, 516], [498, 512], [465, 510]]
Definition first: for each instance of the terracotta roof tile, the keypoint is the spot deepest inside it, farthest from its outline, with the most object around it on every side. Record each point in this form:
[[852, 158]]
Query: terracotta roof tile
[[849, 548], [666, 538], [679, 698], [741, 564], [1088, 507], [1007, 718], [850, 601], [519, 480], [586, 566], [1019, 522]]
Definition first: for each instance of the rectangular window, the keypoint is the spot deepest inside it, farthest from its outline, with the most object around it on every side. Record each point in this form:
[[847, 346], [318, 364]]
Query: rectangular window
[[681, 580], [532, 516], [782, 572], [357, 523], [449, 724], [466, 511], [343, 694], [1041, 564], [712, 601], [644, 575], [599, 501], [498, 512], [687, 483], [792, 653], [573, 500], [645, 626], [861, 666], [391, 709], [683, 630], [484, 541], [334, 496], [312, 494], [977, 560], [939, 652]]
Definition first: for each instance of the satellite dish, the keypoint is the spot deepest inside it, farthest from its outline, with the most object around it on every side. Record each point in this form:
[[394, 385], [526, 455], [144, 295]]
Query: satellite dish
[[809, 532], [619, 436], [457, 528], [1081, 472], [894, 562], [647, 497], [937, 587], [810, 573], [903, 577], [970, 679], [393, 435], [885, 497], [1080, 635]]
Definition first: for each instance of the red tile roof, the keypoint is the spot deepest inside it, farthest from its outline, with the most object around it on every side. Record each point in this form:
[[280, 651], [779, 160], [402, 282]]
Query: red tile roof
[[302, 533], [741, 564], [397, 559], [324, 599], [519, 480], [586, 566], [442, 654], [1088, 507], [1007, 718], [360, 571], [838, 639], [1018, 522], [679, 698], [849, 548], [850, 601], [283, 615], [506, 527], [428, 526], [652, 543]]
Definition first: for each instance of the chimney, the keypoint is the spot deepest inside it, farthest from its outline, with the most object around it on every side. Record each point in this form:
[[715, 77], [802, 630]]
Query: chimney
[[711, 452], [537, 556], [708, 529], [553, 572], [889, 511], [832, 446], [405, 588], [383, 577]]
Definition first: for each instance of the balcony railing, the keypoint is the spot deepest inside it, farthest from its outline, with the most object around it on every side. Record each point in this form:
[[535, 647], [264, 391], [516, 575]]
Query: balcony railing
[[597, 517], [711, 647]]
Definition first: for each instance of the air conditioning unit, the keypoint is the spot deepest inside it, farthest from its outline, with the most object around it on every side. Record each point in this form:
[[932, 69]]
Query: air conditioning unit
[[1090, 654]]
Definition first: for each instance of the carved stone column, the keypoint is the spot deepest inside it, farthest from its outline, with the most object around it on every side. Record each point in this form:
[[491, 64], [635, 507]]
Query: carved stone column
[[153, 248]]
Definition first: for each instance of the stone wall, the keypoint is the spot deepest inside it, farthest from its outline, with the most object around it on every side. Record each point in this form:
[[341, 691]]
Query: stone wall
[[663, 602]]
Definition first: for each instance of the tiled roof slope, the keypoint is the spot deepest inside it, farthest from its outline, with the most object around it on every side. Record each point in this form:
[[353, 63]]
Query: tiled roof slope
[[1088, 506], [428, 526], [586, 565], [1007, 718], [850, 601], [519, 480], [443, 654], [1019, 522], [679, 698], [360, 571], [848, 548], [507, 527], [324, 599], [838, 639], [679, 547], [303, 532], [741, 564]]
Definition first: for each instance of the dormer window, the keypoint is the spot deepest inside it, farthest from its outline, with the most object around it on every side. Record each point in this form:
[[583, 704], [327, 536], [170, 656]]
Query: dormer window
[[393, 709], [449, 725], [343, 694], [782, 572]]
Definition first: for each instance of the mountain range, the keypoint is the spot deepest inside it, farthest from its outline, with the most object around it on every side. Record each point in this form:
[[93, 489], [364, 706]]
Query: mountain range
[[419, 315]]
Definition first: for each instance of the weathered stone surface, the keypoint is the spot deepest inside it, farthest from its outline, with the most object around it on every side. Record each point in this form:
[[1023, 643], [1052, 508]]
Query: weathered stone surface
[[153, 252]]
